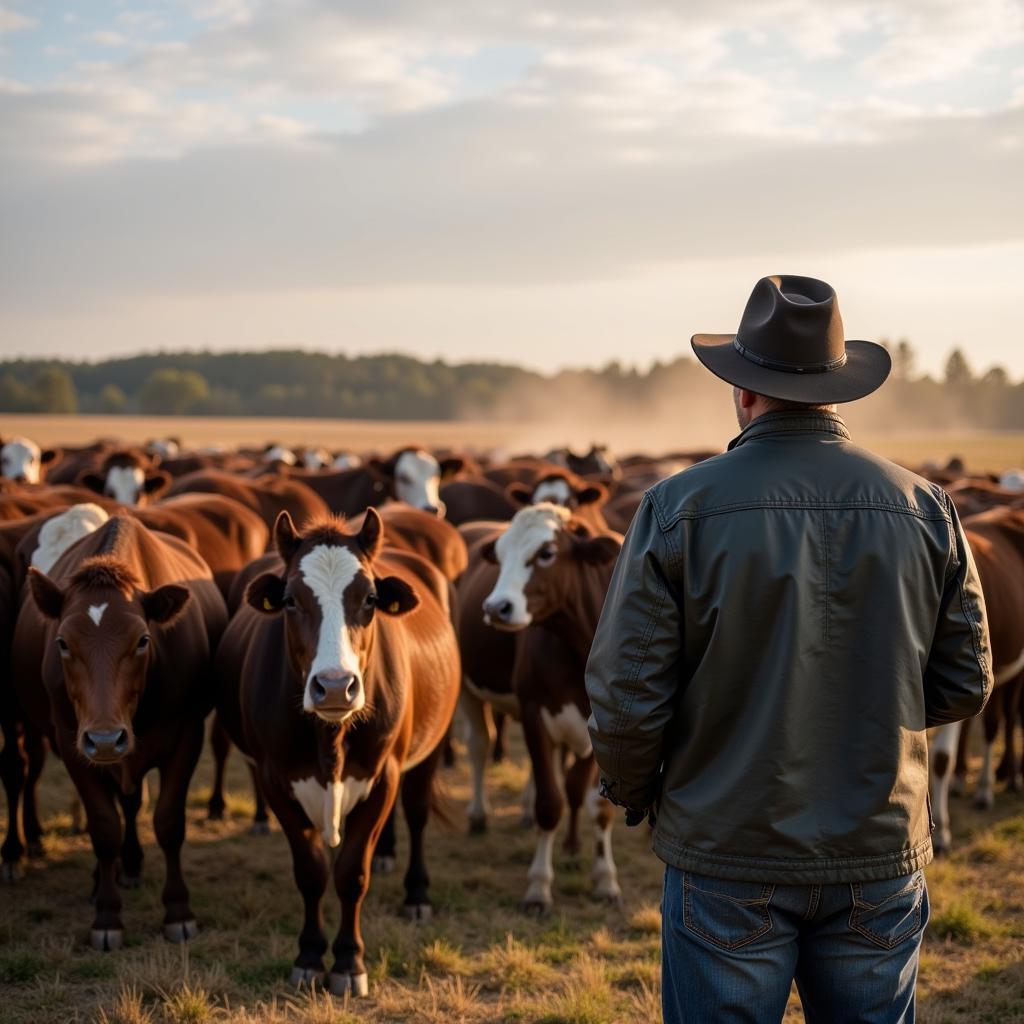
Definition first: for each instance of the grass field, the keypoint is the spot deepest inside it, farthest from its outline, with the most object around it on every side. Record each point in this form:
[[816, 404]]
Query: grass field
[[480, 959]]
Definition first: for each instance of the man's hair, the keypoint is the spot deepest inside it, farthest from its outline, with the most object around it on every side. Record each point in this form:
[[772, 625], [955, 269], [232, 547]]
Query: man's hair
[[781, 405]]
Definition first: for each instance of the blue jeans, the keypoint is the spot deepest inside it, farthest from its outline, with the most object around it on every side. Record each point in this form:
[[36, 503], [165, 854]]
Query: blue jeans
[[731, 950]]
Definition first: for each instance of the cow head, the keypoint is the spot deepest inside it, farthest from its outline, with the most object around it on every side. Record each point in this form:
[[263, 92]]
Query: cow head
[[22, 460], [539, 555], [103, 621], [129, 477], [316, 458], [558, 489], [414, 476], [331, 596]]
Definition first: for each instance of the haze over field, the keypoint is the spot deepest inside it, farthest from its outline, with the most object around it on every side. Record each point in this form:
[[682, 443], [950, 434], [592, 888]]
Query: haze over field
[[541, 183]]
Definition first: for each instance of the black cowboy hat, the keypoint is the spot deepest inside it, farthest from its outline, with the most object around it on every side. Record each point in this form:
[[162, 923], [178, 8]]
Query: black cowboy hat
[[790, 345]]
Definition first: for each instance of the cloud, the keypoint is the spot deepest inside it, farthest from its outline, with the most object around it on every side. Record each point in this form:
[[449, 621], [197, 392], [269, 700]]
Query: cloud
[[13, 21]]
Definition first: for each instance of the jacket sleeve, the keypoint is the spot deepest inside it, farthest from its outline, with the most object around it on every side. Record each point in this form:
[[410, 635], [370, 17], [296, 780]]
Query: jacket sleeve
[[958, 676], [634, 665]]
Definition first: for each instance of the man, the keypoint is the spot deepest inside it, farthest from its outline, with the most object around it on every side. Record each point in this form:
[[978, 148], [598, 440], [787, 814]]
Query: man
[[784, 623]]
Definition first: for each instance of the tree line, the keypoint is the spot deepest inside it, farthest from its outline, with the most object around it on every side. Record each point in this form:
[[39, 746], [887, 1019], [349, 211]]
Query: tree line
[[399, 387]]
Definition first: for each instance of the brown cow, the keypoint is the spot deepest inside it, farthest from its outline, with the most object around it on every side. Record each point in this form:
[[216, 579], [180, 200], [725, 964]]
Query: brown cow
[[336, 690], [22, 460], [114, 655], [128, 476]]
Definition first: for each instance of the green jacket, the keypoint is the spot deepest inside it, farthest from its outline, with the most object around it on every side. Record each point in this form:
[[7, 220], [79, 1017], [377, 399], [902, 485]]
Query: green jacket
[[784, 622]]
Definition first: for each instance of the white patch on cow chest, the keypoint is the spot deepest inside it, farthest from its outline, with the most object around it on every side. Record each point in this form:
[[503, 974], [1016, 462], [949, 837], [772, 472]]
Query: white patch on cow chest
[[1011, 671], [556, 491], [124, 484], [96, 612], [328, 806], [568, 728]]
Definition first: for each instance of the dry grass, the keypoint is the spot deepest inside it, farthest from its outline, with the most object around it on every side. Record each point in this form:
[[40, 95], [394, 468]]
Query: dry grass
[[479, 960]]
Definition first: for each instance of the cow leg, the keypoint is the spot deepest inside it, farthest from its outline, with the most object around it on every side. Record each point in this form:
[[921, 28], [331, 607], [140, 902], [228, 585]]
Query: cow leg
[[35, 750], [449, 749], [478, 740], [416, 791], [384, 857], [958, 783], [131, 848], [352, 879], [547, 811], [528, 800], [1009, 767], [577, 781], [985, 795], [943, 750], [260, 820], [605, 873], [220, 744], [13, 769], [169, 825], [500, 737]]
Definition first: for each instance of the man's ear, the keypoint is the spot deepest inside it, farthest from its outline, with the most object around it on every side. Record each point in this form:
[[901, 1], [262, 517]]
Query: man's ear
[[519, 494], [156, 482], [395, 596], [266, 593], [50, 455], [596, 550], [49, 598], [371, 533], [166, 604], [450, 466], [488, 552], [591, 495], [92, 481], [286, 537]]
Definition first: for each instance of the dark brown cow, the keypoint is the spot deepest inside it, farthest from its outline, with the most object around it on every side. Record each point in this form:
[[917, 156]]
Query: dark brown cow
[[341, 673], [114, 655], [973, 495], [583, 499], [476, 498]]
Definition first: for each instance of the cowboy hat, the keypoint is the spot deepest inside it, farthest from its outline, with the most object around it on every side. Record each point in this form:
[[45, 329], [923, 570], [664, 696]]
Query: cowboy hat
[[790, 345]]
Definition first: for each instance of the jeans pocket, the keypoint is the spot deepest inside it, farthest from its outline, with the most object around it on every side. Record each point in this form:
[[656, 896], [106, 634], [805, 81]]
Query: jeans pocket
[[725, 913], [889, 912]]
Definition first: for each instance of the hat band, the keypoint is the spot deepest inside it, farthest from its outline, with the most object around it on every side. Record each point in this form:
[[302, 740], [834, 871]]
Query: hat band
[[778, 364]]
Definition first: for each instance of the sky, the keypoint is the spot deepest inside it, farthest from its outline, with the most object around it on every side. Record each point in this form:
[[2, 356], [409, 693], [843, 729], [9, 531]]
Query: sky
[[554, 184]]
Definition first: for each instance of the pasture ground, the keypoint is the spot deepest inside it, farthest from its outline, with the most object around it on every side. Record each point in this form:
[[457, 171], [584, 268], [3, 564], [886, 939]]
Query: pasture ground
[[480, 959]]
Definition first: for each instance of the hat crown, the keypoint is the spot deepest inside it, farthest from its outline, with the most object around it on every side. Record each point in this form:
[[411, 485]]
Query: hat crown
[[792, 322]]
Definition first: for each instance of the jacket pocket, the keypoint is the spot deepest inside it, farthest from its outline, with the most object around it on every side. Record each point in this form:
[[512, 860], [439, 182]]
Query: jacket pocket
[[727, 914], [888, 913]]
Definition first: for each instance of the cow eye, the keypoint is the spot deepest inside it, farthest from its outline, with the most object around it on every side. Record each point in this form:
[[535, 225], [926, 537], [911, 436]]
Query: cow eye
[[546, 555], [62, 646], [142, 644], [371, 600]]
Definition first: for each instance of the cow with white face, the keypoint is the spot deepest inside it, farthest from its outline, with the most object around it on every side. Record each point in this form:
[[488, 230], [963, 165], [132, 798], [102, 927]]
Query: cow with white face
[[414, 476], [128, 477], [21, 459], [278, 453], [553, 571]]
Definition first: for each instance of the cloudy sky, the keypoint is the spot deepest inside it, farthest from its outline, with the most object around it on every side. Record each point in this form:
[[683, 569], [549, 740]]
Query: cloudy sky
[[552, 183]]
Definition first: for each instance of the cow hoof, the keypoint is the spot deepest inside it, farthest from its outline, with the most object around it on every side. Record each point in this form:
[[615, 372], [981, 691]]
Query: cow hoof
[[356, 985], [417, 911], [181, 931], [306, 977], [259, 828], [215, 814], [35, 849], [477, 826], [984, 802], [534, 906], [611, 899], [11, 872], [106, 939], [384, 864], [956, 786]]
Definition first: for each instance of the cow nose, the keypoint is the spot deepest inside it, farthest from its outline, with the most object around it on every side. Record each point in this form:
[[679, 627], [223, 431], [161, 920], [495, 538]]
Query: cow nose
[[498, 610], [105, 746], [335, 691], [432, 509]]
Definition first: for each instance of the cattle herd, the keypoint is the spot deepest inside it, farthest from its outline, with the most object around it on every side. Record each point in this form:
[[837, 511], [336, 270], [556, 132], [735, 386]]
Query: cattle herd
[[332, 612]]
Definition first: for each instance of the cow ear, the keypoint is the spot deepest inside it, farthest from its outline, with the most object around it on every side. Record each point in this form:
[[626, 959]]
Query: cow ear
[[166, 604], [93, 481], [50, 455], [596, 550], [395, 596], [591, 495], [519, 494], [371, 533], [49, 598], [488, 552], [451, 466], [266, 593], [286, 537], [156, 482]]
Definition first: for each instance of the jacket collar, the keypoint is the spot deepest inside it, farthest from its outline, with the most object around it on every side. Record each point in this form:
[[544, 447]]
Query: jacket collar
[[790, 422]]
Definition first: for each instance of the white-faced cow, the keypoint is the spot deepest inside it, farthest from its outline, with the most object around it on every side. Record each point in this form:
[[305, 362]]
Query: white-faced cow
[[129, 477], [22, 460], [341, 673]]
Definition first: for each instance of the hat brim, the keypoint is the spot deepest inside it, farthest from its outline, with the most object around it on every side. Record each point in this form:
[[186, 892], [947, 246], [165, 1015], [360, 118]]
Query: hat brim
[[865, 370]]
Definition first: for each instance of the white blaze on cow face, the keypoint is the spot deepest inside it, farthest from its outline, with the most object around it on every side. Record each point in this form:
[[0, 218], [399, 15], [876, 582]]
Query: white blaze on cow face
[[556, 491], [418, 481], [314, 458], [279, 454], [96, 612], [517, 551], [328, 806], [56, 535], [328, 571], [124, 484], [1012, 480], [346, 460], [21, 459], [165, 448]]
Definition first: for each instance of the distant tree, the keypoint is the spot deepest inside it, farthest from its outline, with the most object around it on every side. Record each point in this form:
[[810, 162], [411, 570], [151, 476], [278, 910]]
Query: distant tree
[[112, 400], [996, 377], [14, 396], [171, 392], [55, 391], [958, 372], [904, 360]]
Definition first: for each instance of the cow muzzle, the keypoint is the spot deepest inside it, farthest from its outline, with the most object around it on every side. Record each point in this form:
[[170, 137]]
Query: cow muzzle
[[503, 613], [336, 693], [105, 746]]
